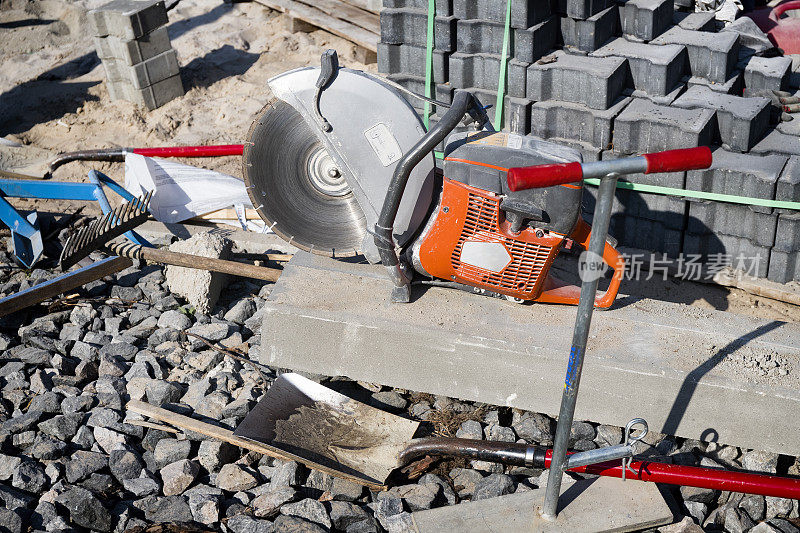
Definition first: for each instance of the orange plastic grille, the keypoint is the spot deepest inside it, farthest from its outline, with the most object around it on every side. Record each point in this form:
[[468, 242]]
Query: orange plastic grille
[[527, 259]]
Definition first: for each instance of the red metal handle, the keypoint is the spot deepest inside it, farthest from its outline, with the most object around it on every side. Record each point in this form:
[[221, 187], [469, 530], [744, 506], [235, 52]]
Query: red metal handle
[[678, 160], [696, 476], [780, 9], [191, 151], [521, 178]]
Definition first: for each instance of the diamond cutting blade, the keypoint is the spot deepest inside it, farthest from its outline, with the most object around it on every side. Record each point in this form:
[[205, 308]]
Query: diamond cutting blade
[[297, 188]]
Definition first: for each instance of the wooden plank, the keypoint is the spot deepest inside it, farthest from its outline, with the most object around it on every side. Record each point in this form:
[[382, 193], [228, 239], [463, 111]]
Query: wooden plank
[[63, 283], [373, 6], [347, 13], [216, 432], [345, 30]]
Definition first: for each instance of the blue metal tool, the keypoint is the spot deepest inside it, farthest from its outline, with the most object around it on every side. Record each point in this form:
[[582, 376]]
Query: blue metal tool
[[26, 238]]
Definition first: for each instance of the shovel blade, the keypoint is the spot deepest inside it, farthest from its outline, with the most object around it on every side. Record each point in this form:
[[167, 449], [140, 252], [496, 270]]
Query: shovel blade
[[328, 431]]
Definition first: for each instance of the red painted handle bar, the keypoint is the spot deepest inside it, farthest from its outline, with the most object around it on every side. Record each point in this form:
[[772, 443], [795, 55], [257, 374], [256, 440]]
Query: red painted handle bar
[[521, 178]]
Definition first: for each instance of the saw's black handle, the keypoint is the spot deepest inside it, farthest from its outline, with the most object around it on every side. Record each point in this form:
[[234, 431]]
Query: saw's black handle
[[463, 102], [329, 64]]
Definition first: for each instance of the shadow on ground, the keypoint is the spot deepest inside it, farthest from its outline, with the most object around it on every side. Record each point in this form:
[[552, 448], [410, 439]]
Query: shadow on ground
[[48, 97], [217, 65]]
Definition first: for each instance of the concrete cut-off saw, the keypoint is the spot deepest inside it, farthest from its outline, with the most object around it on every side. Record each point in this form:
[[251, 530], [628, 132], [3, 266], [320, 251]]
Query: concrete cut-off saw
[[339, 163]]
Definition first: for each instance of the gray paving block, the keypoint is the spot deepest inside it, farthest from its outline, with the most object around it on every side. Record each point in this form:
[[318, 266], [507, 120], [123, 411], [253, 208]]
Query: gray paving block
[[517, 115], [646, 234], [410, 26], [783, 266], [712, 56], [787, 235], [645, 20], [582, 9], [150, 97], [788, 186], [588, 152], [127, 19], [135, 50], [532, 43], [753, 41], [516, 83], [481, 37], [734, 85], [697, 21], [590, 34], [735, 220], [667, 99], [141, 75], [784, 261], [776, 142], [742, 122], [409, 59], [668, 210], [474, 70], [751, 175], [727, 250], [575, 122], [656, 70], [524, 13], [766, 73], [596, 82], [443, 8], [644, 127]]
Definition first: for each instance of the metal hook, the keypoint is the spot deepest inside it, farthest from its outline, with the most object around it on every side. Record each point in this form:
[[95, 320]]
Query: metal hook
[[626, 461]]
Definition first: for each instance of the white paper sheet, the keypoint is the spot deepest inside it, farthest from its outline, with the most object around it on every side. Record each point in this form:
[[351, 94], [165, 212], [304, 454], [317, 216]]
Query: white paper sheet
[[182, 191]]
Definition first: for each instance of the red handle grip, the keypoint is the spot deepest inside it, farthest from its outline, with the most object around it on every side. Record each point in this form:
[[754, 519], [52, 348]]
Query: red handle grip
[[521, 178], [678, 160], [191, 151]]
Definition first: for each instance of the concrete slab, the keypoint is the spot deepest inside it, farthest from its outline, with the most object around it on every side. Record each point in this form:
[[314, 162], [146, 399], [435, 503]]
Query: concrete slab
[[601, 504], [688, 371]]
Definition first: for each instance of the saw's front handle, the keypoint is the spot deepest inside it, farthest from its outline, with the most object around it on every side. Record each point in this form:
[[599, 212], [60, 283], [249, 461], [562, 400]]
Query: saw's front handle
[[521, 178], [463, 102], [582, 235]]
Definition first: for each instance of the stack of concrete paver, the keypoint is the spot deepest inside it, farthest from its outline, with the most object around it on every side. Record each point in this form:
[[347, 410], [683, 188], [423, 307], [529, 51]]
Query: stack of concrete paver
[[615, 78], [132, 42]]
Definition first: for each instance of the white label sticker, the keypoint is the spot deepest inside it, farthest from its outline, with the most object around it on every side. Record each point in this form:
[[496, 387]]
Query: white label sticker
[[384, 144]]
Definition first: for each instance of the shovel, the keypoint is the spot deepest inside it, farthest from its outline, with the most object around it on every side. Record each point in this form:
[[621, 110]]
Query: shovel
[[335, 434]]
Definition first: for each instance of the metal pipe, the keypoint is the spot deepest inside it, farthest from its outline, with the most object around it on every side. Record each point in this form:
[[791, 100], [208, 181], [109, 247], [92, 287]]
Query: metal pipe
[[592, 271], [166, 257], [599, 455], [695, 476], [118, 154], [513, 453], [509, 453]]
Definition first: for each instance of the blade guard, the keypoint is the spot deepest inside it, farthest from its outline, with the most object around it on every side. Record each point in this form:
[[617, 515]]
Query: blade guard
[[372, 126]]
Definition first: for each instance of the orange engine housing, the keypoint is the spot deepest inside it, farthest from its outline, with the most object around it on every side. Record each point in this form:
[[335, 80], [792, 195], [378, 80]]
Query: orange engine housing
[[471, 215]]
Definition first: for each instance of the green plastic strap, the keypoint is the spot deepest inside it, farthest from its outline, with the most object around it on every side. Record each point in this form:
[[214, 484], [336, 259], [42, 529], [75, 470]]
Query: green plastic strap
[[700, 195], [501, 83], [429, 60]]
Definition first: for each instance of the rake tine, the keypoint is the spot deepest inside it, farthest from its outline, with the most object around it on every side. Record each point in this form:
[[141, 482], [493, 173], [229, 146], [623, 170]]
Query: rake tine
[[111, 225]]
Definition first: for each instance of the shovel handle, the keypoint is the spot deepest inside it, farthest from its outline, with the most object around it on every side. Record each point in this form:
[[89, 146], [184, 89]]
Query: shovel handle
[[510, 453], [521, 178]]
